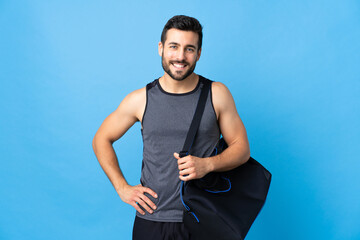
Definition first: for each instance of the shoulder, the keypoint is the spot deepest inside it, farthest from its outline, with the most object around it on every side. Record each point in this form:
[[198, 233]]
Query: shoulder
[[134, 103], [136, 96], [219, 89], [221, 97]]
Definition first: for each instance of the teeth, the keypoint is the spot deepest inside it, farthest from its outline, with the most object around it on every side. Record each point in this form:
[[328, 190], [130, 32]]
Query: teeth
[[179, 65]]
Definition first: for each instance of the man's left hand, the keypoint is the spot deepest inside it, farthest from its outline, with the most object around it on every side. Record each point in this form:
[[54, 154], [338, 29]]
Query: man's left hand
[[191, 167]]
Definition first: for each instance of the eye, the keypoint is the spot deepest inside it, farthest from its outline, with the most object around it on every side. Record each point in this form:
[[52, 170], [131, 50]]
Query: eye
[[173, 46], [190, 49]]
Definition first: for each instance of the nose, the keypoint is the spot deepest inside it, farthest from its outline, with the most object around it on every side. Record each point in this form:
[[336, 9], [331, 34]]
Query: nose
[[180, 54]]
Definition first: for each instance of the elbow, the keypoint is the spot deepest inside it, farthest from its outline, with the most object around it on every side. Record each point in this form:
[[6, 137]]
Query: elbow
[[100, 142], [94, 144], [246, 155]]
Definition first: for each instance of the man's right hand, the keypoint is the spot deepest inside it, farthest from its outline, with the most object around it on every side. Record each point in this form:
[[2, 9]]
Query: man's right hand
[[135, 196]]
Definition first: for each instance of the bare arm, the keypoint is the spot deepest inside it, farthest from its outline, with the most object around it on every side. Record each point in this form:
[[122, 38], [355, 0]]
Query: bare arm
[[234, 133], [232, 129], [114, 127]]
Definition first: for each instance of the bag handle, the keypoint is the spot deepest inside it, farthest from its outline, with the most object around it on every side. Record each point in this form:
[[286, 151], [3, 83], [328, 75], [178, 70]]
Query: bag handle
[[197, 117]]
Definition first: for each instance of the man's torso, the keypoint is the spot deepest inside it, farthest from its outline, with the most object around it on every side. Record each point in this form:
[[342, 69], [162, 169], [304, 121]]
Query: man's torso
[[165, 123]]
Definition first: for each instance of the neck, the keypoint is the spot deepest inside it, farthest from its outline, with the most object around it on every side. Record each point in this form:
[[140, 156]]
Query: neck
[[174, 86]]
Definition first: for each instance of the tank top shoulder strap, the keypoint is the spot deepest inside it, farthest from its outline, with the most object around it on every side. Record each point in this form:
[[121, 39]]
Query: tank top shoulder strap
[[151, 84]]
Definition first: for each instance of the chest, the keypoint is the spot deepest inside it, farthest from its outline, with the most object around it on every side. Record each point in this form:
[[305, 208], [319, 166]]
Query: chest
[[168, 117]]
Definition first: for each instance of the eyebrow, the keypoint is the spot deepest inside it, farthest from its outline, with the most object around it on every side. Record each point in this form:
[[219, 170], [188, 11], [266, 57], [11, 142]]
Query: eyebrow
[[189, 45]]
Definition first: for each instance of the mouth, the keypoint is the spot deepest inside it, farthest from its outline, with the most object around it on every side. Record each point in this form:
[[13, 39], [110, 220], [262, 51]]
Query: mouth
[[179, 66]]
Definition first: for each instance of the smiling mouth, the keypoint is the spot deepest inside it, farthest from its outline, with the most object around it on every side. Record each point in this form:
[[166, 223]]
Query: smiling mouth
[[179, 65]]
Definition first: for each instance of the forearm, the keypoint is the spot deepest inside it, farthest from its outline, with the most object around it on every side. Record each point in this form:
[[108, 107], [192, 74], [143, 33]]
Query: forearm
[[106, 156], [235, 155]]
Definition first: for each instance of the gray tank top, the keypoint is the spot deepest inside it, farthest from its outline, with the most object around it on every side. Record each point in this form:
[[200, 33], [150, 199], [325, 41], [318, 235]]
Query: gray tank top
[[165, 123]]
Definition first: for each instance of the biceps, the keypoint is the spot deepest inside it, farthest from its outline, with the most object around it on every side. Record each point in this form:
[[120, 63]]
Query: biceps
[[232, 127], [116, 125]]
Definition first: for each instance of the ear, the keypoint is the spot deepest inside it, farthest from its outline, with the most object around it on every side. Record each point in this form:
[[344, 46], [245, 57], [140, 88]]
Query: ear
[[199, 54], [160, 48]]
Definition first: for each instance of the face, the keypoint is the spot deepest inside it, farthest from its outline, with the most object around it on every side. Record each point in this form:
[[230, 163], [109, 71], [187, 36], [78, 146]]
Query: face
[[179, 53]]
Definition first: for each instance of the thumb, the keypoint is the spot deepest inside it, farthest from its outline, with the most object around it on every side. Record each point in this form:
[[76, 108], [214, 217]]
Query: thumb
[[176, 155]]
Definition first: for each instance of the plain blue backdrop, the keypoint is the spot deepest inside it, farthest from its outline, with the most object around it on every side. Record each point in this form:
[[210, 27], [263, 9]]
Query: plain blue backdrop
[[293, 68]]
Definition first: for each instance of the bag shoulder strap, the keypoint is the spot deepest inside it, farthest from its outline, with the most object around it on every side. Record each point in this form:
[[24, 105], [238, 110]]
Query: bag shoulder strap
[[195, 123]]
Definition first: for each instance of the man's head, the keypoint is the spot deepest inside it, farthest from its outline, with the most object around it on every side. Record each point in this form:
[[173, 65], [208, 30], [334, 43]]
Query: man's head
[[183, 23], [180, 46]]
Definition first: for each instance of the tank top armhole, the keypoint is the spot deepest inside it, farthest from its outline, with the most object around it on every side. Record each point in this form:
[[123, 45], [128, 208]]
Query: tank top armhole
[[212, 104], [148, 87]]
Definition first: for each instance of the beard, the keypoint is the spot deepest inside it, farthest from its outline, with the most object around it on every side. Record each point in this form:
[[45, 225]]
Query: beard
[[177, 75]]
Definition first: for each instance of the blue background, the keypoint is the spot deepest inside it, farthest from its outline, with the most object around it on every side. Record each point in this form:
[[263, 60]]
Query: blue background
[[293, 68]]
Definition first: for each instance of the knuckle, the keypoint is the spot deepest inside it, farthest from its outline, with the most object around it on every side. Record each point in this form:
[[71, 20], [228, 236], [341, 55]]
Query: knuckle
[[146, 207]]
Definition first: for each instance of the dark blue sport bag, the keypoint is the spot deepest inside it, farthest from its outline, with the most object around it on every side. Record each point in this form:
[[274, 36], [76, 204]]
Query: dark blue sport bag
[[222, 205]]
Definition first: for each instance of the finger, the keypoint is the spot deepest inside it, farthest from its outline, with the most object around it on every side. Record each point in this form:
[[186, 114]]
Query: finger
[[143, 204], [183, 166], [150, 191], [176, 155], [186, 171], [182, 160], [136, 206], [148, 201], [187, 177]]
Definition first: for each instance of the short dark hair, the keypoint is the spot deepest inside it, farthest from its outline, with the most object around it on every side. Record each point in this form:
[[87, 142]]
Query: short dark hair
[[184, 23]]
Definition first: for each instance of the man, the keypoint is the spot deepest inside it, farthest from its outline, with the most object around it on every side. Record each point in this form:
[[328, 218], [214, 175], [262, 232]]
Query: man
[[165, 109]]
